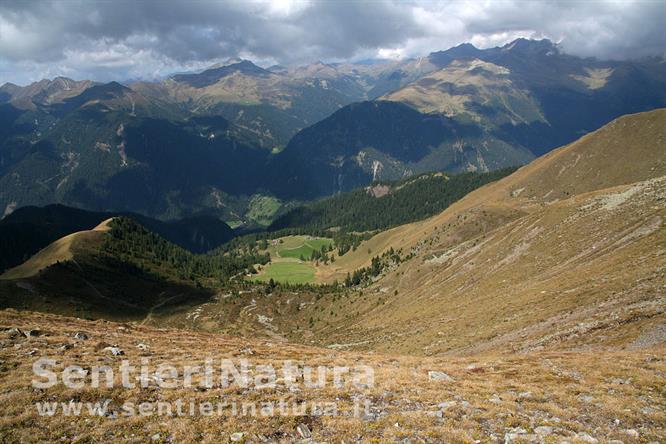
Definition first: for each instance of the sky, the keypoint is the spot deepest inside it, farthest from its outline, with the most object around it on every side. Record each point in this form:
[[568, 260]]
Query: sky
[[125, 40]]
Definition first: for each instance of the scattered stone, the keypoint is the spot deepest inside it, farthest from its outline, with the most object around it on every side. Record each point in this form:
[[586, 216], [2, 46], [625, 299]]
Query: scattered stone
[[102, 345], [373, 416], [115, 351], [585, 398], [142, 346], [64, 347], [236, 437], [439, 376], [543, 430], [14, 333], [620, 381], [586, 438], [155, 437], [525, 395], [246, 351], [530, 437], [514, 434], [473, 368], [615, 441], [446, 405], [304, 431], [518, 430], [32, 333], [81, 336], [495, 399], [633, 433]]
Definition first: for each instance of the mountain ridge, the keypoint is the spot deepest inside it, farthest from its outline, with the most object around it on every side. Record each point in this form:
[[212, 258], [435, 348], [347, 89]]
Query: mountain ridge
[[250, 137], [29, 229]]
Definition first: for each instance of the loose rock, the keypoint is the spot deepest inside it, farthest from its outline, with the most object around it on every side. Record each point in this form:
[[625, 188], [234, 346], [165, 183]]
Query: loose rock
[[304, 431], [439, 376], [81, 336], [631, 433], [115, 351], [586, 438]]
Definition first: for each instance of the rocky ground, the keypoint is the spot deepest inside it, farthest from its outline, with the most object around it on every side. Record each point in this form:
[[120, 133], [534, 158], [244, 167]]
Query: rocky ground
[[544, 397]]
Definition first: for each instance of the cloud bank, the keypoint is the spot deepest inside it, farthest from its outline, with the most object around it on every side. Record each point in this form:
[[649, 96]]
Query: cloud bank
[[123, 39]]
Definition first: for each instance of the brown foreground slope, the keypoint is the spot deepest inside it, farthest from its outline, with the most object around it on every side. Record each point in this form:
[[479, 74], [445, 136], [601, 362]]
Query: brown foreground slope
[[547, 397]]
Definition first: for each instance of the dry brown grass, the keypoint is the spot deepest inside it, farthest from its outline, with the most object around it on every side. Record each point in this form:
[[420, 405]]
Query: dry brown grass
[[602, 394]]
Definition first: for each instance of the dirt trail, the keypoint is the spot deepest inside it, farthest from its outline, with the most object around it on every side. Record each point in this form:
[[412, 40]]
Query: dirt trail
[[149, 316]]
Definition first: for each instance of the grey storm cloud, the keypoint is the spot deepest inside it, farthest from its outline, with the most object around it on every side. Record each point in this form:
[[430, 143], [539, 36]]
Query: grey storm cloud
[[150, 38]]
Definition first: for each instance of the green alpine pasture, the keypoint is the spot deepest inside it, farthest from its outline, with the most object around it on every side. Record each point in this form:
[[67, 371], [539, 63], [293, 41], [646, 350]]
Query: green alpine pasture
[[287, 272], [305, 250], [286, 265]]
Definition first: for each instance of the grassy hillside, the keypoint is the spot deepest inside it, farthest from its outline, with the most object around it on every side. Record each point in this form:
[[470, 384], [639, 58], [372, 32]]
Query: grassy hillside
[[120, 270], [472, 88], [530, 261], [29, 229]]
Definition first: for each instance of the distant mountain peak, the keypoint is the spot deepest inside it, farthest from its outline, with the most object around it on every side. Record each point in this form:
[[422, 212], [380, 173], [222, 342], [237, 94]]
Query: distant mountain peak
[[213, 75], [63, 79], [112, 87], [443, 58], [44, 91], [530, 45], [465, 46], [9, 85], [278, 69]]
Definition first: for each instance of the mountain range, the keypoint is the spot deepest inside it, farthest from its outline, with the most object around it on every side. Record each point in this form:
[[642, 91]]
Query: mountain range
[[529, 296], [219, 141]]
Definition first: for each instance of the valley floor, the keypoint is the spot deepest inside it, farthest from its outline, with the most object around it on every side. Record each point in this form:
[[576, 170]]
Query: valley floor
[[595, 395]]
